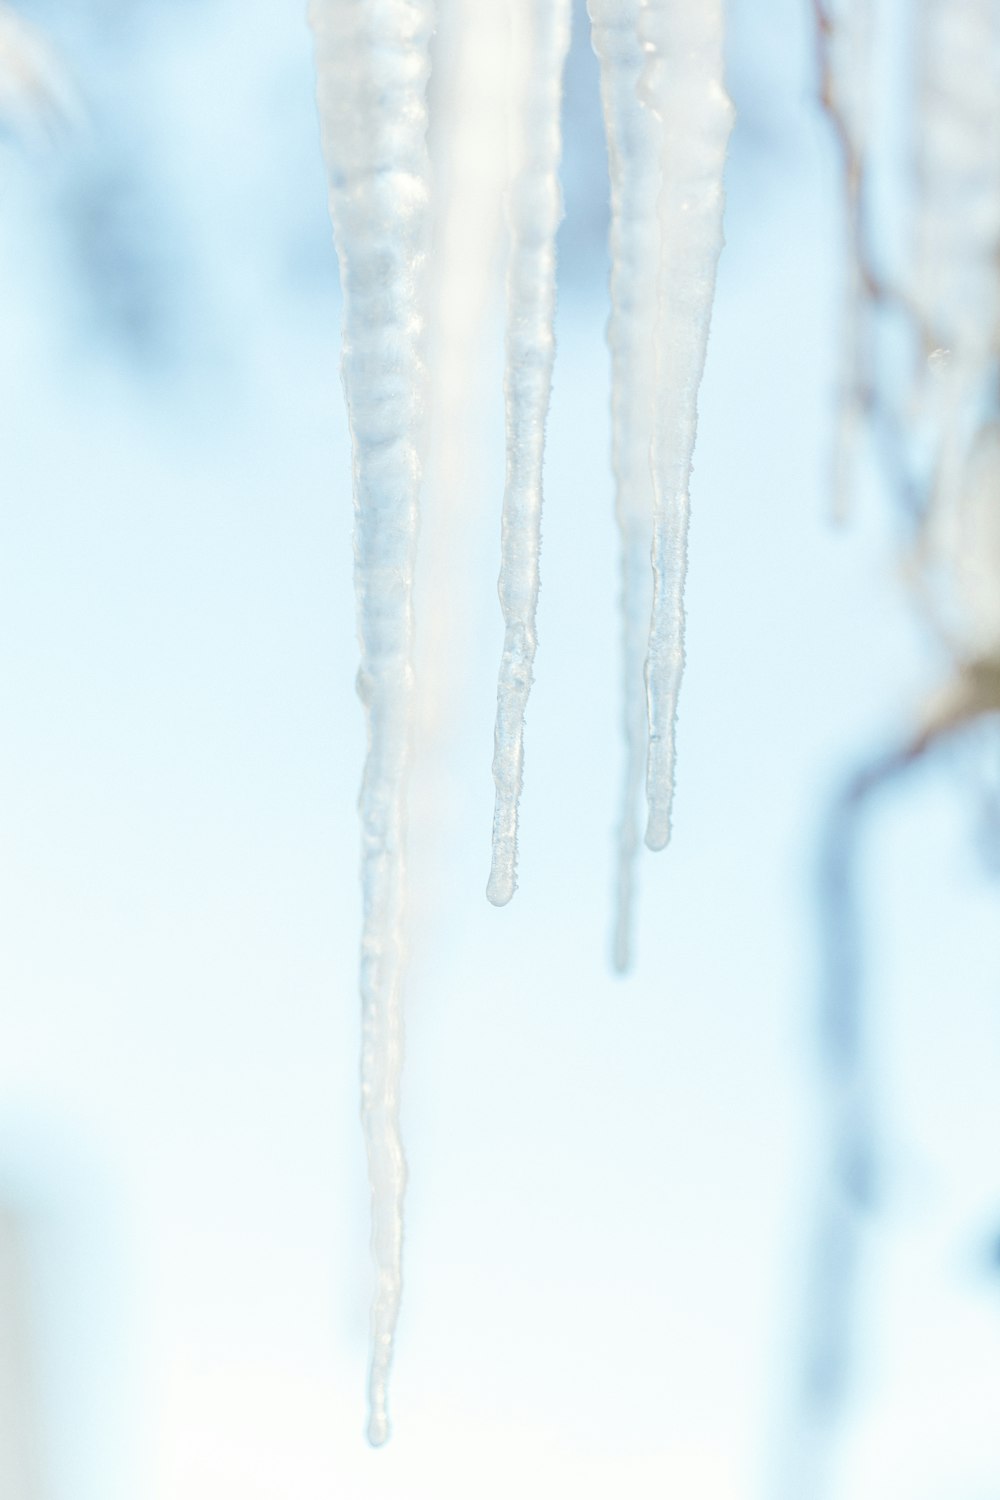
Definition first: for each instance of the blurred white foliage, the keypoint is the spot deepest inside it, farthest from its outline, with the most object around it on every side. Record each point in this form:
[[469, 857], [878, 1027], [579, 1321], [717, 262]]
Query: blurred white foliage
[[925, 262], [38, 99]]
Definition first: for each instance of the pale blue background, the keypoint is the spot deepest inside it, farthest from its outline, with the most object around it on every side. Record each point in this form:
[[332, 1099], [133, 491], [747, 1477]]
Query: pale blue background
[[610, 1180]]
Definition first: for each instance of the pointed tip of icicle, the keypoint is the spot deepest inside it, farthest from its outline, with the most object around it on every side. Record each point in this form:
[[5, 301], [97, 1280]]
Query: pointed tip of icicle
[[621, 959], [379, 1430], [503, 861], [657, 831]]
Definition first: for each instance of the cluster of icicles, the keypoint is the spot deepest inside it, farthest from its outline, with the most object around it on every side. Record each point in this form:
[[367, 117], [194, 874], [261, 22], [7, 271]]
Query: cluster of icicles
[[668, 120]]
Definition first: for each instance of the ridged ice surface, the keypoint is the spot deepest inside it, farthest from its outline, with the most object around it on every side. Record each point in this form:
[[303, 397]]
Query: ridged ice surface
[[539, 40], [683, 83], [633, 136], [372, 67]]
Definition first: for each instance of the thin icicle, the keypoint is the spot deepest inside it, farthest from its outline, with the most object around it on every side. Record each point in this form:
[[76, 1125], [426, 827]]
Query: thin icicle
[[633, 137], [372, 66], [539, 41], [683, 84]]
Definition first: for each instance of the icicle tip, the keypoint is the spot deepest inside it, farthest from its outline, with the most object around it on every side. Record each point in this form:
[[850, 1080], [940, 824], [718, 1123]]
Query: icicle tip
[[621, 958], [378, 1430], [502, 882], [657, 830]]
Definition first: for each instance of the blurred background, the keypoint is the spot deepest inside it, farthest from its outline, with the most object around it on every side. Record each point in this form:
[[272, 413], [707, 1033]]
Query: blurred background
[[616, 1185]]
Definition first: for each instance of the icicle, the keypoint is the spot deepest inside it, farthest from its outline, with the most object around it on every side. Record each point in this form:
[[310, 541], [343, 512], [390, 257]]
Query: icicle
[[372, 66], [468, 153], [634, 161], [683, 83], [539, 41], [468, 149]]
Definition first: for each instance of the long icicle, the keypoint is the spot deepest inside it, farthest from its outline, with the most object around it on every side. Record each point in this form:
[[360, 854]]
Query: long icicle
[[539, 41], [372, 68], [683, 84], [633, 137]]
